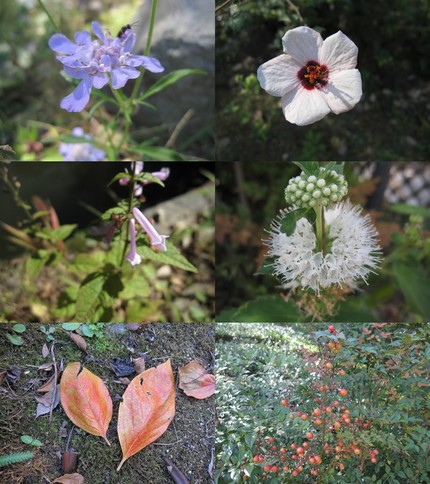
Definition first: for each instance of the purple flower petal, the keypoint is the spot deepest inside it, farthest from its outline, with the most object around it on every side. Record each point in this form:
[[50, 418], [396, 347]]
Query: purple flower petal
[[60, 43], [76, 101], [158, 241], [77, 72], [97, 29], [83, 37], [150, 63], [100, 80], [133, 257], [129, 43], [121, 75]]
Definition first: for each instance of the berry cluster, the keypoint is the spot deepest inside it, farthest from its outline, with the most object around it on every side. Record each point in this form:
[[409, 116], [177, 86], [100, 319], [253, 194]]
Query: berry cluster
[[332, 437], [309, 191]]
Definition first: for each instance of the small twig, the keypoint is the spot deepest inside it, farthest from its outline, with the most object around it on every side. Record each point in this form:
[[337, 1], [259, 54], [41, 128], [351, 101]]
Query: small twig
[[296, 9], [179, 127], [54, 395], [167, 445], [220, 7], [69, 437]]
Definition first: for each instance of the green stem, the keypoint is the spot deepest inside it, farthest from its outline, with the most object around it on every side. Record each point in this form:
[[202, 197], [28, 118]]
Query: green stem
[[147, 49], [319, 210], [49, 16], [130, 205]]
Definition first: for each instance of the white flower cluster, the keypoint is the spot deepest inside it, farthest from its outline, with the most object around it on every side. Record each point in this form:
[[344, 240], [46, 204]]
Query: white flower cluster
[[354, 251], [309, 191]]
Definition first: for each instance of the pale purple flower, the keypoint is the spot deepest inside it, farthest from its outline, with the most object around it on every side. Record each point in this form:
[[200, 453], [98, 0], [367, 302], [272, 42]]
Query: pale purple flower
[[133, 257], [99, 62], [314, 76], [157, 241], [162, 175], [81, 151]]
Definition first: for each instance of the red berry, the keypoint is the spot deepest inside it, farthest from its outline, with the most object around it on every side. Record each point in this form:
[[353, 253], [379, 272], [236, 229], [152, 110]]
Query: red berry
[[274, 469], [284, 403], [300, 450], [331, 328], [309, 435], [270, 440], [267, 468], [282, 450], [343, 392]]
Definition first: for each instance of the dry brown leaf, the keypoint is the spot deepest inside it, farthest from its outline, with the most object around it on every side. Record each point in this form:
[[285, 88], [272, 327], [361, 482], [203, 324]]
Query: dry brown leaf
[[78, 340], [47, 386], [46, 366], [48, 402], [69, 461], [45, 350], [139, 364], [195, 382], [177, 475], [70, 479]]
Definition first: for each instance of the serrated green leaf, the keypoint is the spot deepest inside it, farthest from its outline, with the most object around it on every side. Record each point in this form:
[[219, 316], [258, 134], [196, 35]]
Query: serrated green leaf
[[289, 221], [87, 263], [36, 262], [19, 328], [169, 80], [136, 286], [171, 257], [88, 295], [62, 232]]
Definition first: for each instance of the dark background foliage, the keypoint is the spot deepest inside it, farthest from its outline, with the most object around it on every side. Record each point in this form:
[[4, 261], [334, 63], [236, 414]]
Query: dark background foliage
[[390, 122]]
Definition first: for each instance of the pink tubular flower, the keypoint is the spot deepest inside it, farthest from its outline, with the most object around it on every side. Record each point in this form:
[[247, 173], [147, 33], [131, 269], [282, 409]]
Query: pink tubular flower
[[157, 241], [314, 76], [133, 257], [162, 175]]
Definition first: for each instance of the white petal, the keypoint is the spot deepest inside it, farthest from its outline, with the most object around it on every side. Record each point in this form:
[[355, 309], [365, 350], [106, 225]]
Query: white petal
[[343, 91], [304, 107], [302, 43], [338, 52], [278, 76]]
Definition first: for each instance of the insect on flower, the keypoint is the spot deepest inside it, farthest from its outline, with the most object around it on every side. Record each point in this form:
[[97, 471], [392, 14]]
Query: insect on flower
[[123, 30]]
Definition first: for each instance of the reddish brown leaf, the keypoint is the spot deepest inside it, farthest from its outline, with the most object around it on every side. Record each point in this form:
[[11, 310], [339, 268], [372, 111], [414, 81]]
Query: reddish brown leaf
[[86, 400], [195, 382], [70, 479], [177, 475], [69, 461], [146, 410], [78, 340]]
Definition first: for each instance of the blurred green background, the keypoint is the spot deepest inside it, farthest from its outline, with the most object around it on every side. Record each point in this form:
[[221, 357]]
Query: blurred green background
[[251, 195], [392, 120]]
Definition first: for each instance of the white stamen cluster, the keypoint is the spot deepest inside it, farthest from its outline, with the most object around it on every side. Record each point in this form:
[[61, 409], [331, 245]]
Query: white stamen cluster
[[309, 191]]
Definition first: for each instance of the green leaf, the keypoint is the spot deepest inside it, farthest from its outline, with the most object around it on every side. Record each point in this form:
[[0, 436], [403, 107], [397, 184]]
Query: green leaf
[[62, 232], [267, 309], [37, 443], [136, 286], [19, 328], [87, 331], [407, 209], [171, 257], [70, 326], [413, 282], [15, 339], [88, 295], [288, 224], [15, 458], [169, 80], [308, 167], [27, 439], [36, 263], [158, 153]]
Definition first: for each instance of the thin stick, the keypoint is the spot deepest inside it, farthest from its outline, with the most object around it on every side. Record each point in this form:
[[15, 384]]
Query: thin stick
[[179, 127]]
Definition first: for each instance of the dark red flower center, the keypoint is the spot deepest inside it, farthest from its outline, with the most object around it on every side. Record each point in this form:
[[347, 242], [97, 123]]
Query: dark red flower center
[[313, 75]]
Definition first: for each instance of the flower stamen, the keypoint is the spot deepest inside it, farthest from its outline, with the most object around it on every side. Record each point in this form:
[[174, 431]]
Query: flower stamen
[[313, 75]]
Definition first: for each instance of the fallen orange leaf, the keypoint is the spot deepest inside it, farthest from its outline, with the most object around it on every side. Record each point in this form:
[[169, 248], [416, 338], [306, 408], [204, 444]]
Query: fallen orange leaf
[[195, 382], [86, 400], [146, 410]]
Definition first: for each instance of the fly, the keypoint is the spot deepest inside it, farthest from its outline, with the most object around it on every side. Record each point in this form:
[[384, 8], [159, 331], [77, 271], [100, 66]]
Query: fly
[[123, 30]]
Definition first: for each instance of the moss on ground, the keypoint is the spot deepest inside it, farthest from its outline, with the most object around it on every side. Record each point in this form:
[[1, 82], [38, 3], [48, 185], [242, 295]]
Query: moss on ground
[[188, 442]]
